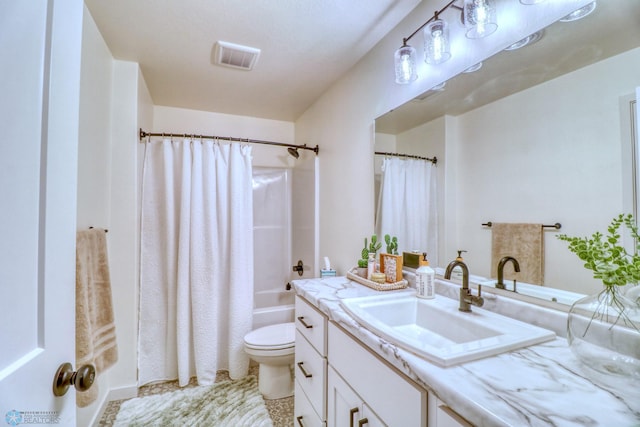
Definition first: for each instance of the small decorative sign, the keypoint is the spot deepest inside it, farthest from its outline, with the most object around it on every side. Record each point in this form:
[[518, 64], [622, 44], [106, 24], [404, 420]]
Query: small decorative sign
[[391, 266]]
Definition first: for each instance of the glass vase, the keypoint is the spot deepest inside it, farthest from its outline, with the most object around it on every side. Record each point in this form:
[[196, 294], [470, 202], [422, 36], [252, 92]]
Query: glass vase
[[603, 331]]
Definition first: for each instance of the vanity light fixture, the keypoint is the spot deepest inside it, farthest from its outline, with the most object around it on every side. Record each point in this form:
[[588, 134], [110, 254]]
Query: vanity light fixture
[[436, 41], [579, 13], [405, 62], [479, 16]]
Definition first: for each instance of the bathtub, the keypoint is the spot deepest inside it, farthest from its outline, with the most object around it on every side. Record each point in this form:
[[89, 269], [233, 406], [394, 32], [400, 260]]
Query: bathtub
[[273, 306]]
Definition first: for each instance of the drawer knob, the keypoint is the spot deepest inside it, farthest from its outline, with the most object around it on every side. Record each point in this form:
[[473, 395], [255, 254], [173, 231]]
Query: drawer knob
[[305, 324]]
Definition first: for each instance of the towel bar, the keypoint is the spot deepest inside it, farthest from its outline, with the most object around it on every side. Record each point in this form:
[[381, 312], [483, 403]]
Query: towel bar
[[557, 225]]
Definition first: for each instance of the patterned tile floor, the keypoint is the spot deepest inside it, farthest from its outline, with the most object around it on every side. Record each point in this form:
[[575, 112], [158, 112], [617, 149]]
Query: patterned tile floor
[[280, 410]]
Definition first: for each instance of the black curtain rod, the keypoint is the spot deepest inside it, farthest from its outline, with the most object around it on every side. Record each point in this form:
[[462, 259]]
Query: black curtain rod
[[144, 134], [433, 160]]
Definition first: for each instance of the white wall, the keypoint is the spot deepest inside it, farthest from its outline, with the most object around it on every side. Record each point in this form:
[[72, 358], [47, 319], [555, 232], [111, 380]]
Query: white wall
[[114, 103], [94, 151], [94, 156]]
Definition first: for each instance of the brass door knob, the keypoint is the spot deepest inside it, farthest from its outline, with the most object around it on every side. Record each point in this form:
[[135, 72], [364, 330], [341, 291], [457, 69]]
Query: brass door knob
[[65, 377]]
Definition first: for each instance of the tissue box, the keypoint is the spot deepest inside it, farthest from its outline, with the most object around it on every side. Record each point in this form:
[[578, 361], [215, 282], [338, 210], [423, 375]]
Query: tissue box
[[327, 273]]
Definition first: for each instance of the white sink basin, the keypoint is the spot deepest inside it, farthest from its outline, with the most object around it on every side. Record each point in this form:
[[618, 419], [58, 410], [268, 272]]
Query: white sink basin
[[438, 331]]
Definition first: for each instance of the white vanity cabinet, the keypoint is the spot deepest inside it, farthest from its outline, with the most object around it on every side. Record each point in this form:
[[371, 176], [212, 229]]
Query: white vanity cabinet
[[310, 366], [384, 396], [340, 382]]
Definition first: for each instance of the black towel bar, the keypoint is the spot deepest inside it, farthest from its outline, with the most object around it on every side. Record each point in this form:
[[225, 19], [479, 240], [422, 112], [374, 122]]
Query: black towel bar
[[557, 225]]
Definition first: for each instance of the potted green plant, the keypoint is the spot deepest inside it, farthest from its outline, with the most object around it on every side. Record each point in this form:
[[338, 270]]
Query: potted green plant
[[369, 249], [591, 317], [392, 244]]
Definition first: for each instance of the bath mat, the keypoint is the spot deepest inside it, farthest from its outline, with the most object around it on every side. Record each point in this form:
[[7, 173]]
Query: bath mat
[[228, 403]]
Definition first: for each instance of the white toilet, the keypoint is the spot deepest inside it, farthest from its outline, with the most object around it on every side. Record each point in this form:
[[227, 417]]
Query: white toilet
[[273, 347]]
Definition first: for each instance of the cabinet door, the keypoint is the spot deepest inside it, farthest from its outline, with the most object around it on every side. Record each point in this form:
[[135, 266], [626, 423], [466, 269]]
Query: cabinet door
[[345, 408]]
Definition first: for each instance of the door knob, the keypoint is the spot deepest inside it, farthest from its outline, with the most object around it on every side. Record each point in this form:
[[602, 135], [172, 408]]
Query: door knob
[[65, 377]]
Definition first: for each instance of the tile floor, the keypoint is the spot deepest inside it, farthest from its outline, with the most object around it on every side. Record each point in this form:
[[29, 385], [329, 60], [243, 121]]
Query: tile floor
[[280, 410]]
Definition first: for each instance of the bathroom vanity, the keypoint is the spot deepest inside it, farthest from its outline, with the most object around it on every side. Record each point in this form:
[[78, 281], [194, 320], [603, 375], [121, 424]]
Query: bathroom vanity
[[346, 375]]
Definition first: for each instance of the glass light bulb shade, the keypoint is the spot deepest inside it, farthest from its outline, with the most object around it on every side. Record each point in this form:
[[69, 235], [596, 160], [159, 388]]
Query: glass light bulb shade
[[405, 64], [473, 68], [436, 42], [531, 1], [479, 18], [579, 13]]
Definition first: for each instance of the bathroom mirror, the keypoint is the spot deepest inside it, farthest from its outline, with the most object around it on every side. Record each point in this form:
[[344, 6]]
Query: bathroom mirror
[[537, 170]]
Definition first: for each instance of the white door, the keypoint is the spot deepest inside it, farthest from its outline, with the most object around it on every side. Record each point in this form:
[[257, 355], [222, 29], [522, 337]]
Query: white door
[[40, 44]]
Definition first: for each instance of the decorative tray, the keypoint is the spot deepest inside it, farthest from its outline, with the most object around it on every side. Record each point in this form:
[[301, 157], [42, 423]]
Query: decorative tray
[[353, 275]]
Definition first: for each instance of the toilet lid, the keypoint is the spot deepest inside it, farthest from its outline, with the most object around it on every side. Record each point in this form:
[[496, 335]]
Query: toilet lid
[[278, 336]]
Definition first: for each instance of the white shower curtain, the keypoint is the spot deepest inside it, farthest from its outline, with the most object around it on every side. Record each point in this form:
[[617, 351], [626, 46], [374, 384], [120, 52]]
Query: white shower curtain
[[407, 205], [196, 272]]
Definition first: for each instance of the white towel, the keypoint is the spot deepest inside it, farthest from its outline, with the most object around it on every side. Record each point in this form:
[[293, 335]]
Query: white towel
[[95, 328]]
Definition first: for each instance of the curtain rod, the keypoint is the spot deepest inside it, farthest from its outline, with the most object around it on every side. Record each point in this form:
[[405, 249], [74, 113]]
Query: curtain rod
[[433, 160], [144, 134]]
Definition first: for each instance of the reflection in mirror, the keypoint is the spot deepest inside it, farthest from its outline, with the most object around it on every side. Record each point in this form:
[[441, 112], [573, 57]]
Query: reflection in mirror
[[408, 212], [540, 134]]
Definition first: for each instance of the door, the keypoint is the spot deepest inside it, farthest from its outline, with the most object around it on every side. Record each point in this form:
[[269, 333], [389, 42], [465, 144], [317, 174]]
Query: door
[[40, 45]]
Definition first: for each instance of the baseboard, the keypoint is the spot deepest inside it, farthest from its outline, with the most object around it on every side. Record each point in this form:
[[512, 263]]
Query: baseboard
[[119, 393]]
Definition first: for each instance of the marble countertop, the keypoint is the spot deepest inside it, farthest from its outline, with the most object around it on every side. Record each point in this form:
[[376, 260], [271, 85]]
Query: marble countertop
[[541, 385]]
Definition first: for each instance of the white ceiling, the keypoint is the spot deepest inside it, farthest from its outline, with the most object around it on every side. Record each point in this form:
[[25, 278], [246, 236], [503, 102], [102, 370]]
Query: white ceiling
[[306, 45]]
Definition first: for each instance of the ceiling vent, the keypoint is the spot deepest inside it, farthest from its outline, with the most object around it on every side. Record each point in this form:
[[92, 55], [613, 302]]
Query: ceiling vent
[[235, 56]]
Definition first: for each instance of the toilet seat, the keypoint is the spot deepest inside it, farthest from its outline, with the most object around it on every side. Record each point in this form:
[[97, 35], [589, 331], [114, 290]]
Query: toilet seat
[[273, 337]]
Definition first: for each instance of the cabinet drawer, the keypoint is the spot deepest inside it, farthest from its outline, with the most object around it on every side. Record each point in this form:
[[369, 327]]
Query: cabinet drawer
[[311, 373], [304, 414], [396, 400], [312, 324]]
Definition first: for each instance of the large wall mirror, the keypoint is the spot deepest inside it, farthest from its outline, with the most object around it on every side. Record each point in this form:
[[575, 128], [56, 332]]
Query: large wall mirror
[[540, 134]]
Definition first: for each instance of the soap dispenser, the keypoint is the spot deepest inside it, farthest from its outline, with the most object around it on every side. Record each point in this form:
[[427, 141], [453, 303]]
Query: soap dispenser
[[425, 276], [456, 274]]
